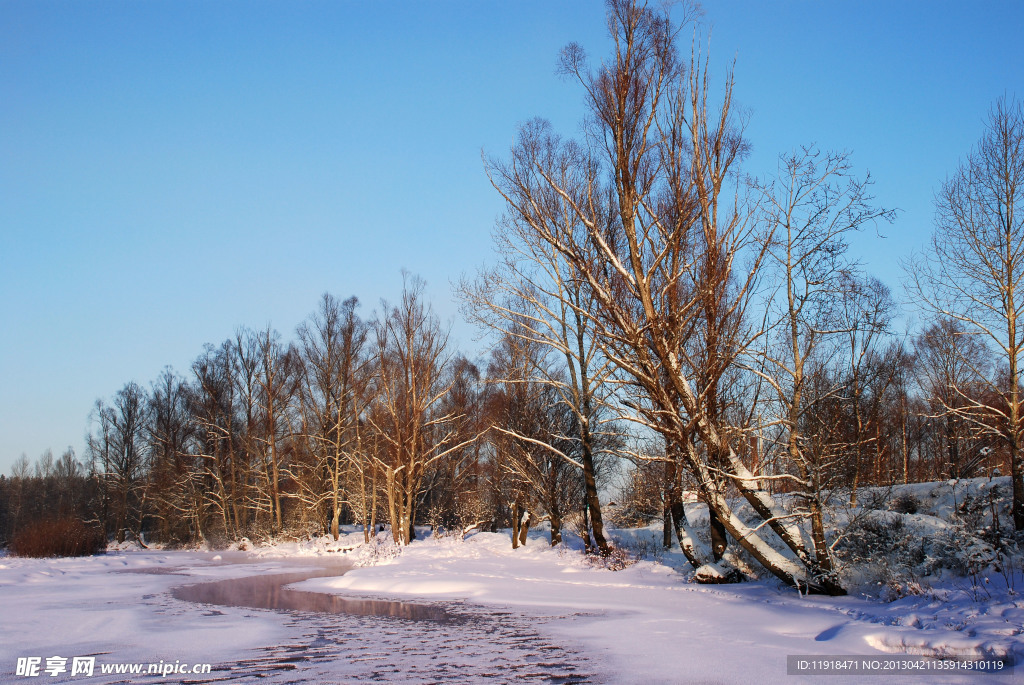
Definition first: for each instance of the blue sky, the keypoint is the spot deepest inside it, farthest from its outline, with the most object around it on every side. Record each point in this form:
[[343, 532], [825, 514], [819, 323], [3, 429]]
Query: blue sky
[[170, 171]]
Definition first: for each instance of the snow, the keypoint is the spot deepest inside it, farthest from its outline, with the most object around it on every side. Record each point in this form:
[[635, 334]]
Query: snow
[[647, 625], [83, 606], [518, 615]]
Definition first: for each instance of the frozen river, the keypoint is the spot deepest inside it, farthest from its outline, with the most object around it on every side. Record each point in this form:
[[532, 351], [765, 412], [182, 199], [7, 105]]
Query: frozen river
[[337, 639], [240, 617], [469, 611]]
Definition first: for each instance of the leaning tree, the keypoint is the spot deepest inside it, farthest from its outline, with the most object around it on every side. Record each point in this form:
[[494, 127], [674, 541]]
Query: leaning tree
[[670, 251]]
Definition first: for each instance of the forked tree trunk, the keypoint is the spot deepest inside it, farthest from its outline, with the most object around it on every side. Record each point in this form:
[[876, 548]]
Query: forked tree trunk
[[691, 546], [693, 549]]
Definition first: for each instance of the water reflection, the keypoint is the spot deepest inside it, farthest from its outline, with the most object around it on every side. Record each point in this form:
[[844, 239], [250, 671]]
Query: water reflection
[[156, 570], [267, 592]]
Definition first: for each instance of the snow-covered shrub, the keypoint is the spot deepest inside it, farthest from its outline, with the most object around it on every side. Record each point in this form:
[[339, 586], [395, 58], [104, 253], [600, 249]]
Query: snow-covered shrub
[[442, 533], [878, 551], [64, 537], [905, 503], [618, 559], [981, 512], [1010, 565], [957, 550], [645, 548], [876, 498], [897, 554], [380, 550], [972, 511], [448, 536]]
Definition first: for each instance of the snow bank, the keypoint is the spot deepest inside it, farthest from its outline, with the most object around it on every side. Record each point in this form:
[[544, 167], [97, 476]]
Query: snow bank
[[645, 624], [350, 539]]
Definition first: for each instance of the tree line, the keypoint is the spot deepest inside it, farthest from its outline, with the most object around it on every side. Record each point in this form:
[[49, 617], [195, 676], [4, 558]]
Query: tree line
[[355, 421], [651, 306]]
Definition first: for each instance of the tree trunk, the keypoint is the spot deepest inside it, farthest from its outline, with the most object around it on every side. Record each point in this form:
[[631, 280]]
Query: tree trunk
[[410, 504], [1013, 348], [515, 525], [719, 541], [336, 513], [373, 501], [825, 573], [903, 437], [691, 546], [858, 423], [588, 545], [556, 528], [396, 524], [666, 525], [1016, 458], [593, 502]]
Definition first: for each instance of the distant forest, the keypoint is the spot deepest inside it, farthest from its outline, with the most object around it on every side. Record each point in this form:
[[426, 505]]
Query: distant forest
[[661, 326]]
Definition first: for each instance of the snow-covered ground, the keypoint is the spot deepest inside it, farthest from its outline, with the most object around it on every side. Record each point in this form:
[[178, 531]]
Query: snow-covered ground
[[90, 606], [644, 624], [118, 610], [537, 614], [640, 624]]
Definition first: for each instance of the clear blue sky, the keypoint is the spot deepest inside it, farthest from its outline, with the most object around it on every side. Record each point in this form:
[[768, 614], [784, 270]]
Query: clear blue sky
[[170, 171]]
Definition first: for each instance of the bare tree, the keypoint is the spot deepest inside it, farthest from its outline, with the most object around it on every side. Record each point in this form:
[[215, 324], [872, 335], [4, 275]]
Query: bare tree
[[533, 435], [175, 475], [249, 442], [866, 312], [535, 295], [661, 253], [886, 403], [118, 451], [214, 405], [18, 492], [411, 431], [973, 270], [278, 382], [333, 398], [811, 207], [952, 366], [452, 488]]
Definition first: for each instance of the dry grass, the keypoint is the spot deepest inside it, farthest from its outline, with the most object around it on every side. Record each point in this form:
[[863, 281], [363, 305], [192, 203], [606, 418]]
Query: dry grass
[[66, 537]]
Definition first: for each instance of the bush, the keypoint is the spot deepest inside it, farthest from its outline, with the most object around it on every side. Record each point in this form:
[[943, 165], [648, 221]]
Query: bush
[[644, 547], [884, 550], [65, 537], [872, 536], [617, 559], [380, 550], [905, 504]]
